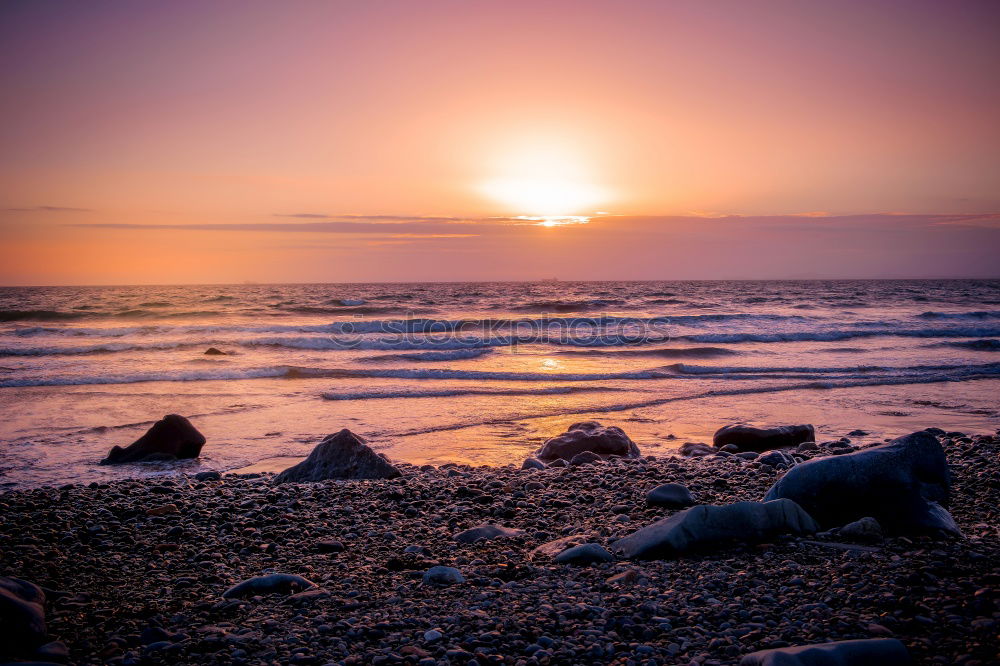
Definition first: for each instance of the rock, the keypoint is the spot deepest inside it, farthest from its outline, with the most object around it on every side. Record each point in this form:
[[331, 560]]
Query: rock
[[22, 615], [329, 546], [584, 554], [866, 530], [553, 548], [706, 525], [899, 484], [343, 455], [162, 510], [588, 436], [212, 351], [486, 532], [171, 438], [210, 475], [866, 652], [696, 449], [623, 578], [775, 458], [432, 635], [671, 495], [277, 583], [585, 458], [805, 447], [857, 433], [443, 576], [558, 462], [749, 438], [533, 463]]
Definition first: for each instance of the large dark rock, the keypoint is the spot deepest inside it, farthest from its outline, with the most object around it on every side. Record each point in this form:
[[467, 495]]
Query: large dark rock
[[343, 455], [749, 438], [901, 484], [171, 438], [588, 436], [22, 616], [865, 652], [277, 583], [584, 554], [708, 526]]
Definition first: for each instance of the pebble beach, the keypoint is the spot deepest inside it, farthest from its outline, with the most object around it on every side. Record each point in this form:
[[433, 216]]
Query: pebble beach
[[135, 570]]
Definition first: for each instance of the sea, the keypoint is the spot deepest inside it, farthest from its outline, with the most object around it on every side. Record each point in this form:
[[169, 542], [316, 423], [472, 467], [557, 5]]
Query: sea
[[480, 373]]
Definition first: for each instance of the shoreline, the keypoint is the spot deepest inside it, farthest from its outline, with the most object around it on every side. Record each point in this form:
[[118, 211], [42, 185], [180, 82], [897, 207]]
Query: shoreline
[[146, 588]]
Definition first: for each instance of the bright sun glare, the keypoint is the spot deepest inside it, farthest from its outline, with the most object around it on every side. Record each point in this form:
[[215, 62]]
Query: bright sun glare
[[544, 179]]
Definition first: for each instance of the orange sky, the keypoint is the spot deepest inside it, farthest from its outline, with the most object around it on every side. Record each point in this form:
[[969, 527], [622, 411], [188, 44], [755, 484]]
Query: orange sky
[[163, 115]]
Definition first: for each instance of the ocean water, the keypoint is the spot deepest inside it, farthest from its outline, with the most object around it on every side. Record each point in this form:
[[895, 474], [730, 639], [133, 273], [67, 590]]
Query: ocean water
[[480, 373]]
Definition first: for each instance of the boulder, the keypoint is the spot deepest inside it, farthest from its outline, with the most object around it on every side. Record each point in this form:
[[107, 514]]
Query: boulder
[[22, 615], [212, 351], [864, 652], [552, 548], [343, 455], [486, 532], [902, 485], [775, 458], [277, 583], [749, 438], [443, 576], [866, 530], [588, 436], [696, 449], [171, 438], [584, 554], [670, 495], [705, 526]]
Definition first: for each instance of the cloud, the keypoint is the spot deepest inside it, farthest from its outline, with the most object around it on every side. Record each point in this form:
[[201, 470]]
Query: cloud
[[48, 209], [435, 229]]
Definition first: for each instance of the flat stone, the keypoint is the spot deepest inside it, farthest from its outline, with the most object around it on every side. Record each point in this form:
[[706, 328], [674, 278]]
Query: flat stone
[[584, 554], [486, 532], [865, 652], [277, 583], [709, 526]]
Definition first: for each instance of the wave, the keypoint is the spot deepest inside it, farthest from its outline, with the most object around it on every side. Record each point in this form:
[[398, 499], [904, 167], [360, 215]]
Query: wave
[[976, 345], [674, 352], [162, 376], [447, 393], [39, 315], [834, 335], [104, 348], [978, 315], [453, 355]]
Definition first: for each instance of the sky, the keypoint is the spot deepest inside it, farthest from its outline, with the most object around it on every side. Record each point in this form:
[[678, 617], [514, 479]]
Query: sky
[[330, 141]]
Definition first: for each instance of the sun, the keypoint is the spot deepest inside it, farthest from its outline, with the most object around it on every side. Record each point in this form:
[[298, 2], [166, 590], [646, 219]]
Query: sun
[[544, 196], [543, 178]]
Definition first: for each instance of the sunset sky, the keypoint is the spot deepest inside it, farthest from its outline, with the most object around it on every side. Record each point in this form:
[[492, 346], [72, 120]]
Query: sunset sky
[[182, 141]]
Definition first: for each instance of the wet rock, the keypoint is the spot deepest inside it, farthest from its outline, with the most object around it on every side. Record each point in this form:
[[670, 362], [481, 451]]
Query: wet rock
[[671, 495], [588, 436], [487, 533], [171, 438], [22, 615], [696, 450], [443, 576], [900, 484], [209, 475], [343, 455], [533, 463], [706, 525], [584, 554], [212, 351], [749, 438], [866, 652], [866, 530], [585, 458], [277, 583]]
